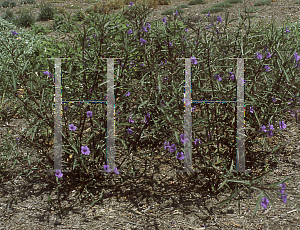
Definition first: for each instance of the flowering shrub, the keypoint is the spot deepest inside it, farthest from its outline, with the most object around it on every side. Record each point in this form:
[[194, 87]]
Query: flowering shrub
[[151, 116]]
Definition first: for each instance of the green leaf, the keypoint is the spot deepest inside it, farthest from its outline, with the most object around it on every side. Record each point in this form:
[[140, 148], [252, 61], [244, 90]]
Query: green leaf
[[223, 183], [238, 181], [177, 136], [143, 103], [260, 177], [258, 203], [280, 182], [49, 199]]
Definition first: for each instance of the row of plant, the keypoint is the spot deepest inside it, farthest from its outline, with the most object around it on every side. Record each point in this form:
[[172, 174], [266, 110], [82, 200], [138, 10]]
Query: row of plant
[[149, 51]]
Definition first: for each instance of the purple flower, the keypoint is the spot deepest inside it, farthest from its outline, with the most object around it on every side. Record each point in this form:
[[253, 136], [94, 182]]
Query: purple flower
[[127, 94], [197, 141], [231, 76], [143, 41], [251, 109], [264, 203], [180, 156], [115, 171], [186, 101], [106, 168], [219, 19], [271, 127], [130, 120], [72, 127], [282, 125], [268, 55], [297, 57], [218, 77], [263, 128], [58, 173], [267, 68], [14, 32], [283, 197], [147, 118], [172, 148], [282, 188], [85, 150], [259, 56], [48, 73], [183, 138], [129, 131], [89, 113], [166, 145], [194, 61]]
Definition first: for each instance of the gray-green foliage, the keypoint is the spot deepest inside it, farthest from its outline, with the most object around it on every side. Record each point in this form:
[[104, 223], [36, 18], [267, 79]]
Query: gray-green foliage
[[263, 2], [212, 10], [9, 16], [62, 23], [196, 2], [25, 20], [234, 1], [7, 4], [222, 4], [47, 13], [78, 16], [28, 2], [171, 11]]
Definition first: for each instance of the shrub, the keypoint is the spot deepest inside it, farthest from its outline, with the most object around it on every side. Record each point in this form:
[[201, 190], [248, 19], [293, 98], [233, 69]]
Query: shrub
[[164, 2], [263, 2], [89, 10], [234, 1], [9, 16], [27, 2], [6, 4], [104, 8], [196, 2], [212, 10], [171, 11], [47, 13], [61, 24], [39, 29], [182, 6], [25, 20], [78, 16], [222, 4]]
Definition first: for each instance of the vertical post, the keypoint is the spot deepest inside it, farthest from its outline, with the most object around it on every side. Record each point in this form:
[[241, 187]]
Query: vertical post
[[188, 117], [58, 117], [240, 94], [188, 165], [110, 114], [240, 167]]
